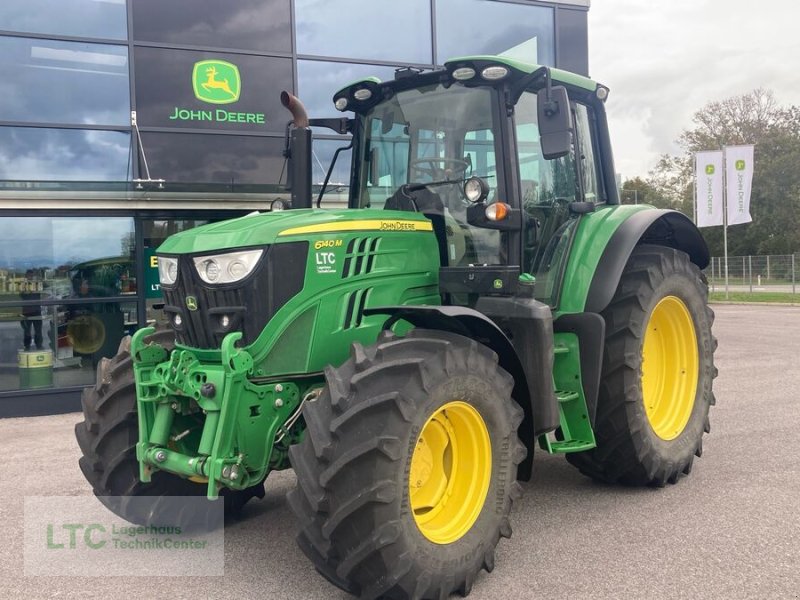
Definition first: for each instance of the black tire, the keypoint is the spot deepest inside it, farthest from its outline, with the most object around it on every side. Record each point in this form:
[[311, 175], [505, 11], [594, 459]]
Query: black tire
[[353, 466], [628, 449], [107, 438]]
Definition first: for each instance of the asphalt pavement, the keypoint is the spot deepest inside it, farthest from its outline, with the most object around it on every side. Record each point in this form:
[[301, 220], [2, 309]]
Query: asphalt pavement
[[729, 530]]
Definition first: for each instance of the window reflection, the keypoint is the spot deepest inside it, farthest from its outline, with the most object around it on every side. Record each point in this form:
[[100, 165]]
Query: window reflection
[[336, 192], [81, 18], [386, 30], [59, 345], [63, 82], [318, 81], [30, 154], [197, 158], [244, 24], [468, 27], [65, 257]]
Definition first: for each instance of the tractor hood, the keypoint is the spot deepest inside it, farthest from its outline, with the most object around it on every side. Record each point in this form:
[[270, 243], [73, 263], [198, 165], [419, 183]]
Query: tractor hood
[[259, 229]]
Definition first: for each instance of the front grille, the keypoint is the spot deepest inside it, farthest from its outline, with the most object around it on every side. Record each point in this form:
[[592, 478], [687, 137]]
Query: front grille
[[249, 304]]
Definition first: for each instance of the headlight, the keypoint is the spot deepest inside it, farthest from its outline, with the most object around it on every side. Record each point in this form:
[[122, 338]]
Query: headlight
[[227, 268], [494, 72], [167, 270], [476, 189]]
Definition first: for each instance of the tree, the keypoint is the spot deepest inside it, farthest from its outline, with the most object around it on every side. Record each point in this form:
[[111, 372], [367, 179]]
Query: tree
[[752, 118]]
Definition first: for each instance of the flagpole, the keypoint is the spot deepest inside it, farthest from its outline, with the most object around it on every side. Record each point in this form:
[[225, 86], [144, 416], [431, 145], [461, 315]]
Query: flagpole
[[694, 191], [725, 217]]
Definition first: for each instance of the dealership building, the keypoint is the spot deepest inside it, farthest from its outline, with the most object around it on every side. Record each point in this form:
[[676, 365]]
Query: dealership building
[[123, 122]]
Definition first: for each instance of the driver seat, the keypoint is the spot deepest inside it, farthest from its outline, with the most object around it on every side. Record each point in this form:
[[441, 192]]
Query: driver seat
[[429, 204]]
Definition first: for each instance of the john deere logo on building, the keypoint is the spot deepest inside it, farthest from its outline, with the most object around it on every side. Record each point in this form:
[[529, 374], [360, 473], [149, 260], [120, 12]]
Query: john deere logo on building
[[709, 169], [191, 303], [216, 81], [740, 165]]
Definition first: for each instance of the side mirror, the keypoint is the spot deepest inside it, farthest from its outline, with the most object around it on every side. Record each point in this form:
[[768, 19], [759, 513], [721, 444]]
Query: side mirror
[[374, 167], [555, 121]]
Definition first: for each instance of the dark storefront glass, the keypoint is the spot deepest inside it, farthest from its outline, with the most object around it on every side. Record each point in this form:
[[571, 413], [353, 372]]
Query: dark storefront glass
[[466, 27], [55, 273], [221, 159], [261, 25], [318, 81], [380, 30], [573, 41], [81, 18], [30, 154], [202, 90], [63, 82]]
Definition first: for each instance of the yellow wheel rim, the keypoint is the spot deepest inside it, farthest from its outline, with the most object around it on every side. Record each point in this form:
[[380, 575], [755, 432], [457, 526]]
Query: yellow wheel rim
[[670, 366], [450, 472]]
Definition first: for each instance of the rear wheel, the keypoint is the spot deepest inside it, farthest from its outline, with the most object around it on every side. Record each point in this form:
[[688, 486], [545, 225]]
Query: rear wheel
[[408, 468], [107, 438], [658, 368]]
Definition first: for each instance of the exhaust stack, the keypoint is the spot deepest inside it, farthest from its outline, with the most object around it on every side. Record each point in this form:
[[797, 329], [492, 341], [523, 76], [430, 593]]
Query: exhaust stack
[[299, 152]]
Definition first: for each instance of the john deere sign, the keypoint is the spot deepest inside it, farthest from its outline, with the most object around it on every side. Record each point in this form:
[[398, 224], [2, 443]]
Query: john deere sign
[[216, 82]]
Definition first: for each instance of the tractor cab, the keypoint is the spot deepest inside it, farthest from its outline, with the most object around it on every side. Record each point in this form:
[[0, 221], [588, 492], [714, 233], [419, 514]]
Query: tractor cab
[[498, 154]]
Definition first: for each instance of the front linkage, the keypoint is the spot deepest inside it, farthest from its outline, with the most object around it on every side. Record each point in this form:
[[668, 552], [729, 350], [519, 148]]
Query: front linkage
[[229, 431]]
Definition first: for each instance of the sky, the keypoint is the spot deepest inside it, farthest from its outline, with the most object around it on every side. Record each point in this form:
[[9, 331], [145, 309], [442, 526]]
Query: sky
[[665, 60]]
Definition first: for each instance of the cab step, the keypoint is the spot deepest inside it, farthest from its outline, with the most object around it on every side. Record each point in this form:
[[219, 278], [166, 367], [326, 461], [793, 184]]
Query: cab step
[[575, 433]]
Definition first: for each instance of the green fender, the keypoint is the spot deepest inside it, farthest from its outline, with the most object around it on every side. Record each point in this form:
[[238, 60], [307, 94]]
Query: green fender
[[603, 242]]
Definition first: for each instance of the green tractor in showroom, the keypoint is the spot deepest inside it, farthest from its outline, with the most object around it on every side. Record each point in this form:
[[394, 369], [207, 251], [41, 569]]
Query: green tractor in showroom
[[484, 292]]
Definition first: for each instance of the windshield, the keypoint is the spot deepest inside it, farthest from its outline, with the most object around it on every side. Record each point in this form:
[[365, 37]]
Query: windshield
[[438, 136], [425, 135]]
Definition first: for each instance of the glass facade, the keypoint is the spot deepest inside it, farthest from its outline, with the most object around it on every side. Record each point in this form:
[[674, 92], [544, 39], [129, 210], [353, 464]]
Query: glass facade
[[524, 32], [409, 23], [64, 304], [99, 95], [47, 154], [90, 81], [79, 18]]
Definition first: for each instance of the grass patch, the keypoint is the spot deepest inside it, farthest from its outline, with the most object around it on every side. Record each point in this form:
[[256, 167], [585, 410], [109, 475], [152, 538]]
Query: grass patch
[[783, 297]]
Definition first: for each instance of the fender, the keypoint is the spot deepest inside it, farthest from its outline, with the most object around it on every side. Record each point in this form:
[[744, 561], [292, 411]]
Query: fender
[[603, 242], [533, 382], [661, 227]]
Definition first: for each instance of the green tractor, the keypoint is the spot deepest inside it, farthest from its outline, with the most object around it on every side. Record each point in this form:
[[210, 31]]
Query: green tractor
[[485, 292]]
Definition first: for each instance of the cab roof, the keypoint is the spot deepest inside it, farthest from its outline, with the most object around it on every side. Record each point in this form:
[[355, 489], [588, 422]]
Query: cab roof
[[517, 70]]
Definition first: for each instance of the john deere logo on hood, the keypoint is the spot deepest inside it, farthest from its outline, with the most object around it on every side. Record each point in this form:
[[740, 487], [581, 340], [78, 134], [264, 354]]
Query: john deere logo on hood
[[740, 165], [191, 303], [709, 169], [216, 81]]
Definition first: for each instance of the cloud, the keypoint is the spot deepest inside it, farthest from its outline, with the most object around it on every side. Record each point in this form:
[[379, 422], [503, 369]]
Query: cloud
[[665, 61]]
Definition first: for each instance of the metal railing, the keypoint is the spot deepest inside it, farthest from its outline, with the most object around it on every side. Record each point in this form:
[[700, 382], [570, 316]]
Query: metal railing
[[776, 273]]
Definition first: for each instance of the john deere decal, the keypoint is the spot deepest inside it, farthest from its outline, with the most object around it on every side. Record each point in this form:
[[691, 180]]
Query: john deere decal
[[216, 82]]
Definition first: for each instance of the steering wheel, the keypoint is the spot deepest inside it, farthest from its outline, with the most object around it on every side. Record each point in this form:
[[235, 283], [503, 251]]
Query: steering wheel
[[437, 168]]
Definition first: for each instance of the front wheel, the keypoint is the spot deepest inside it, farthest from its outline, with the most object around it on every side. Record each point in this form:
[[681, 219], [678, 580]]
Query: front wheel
[[408, 468], [658, 368]]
